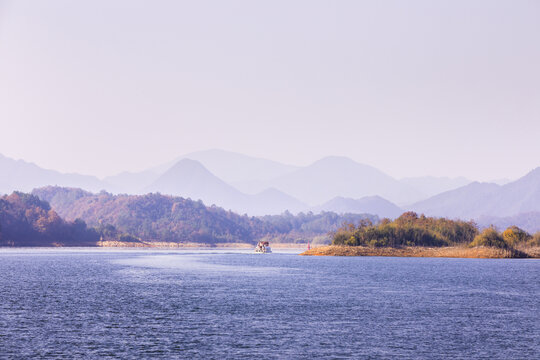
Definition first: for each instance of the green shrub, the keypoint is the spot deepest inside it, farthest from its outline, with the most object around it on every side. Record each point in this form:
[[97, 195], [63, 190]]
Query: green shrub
[[514, 235], [489, 237], [128, 238], [407, 230]]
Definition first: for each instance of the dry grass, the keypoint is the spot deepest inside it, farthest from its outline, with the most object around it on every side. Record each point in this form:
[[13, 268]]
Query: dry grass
[[417, 251], [532, 251]]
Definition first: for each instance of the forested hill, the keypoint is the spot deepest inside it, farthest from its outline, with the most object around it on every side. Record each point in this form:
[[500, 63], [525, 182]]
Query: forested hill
[[25, 220], [156, 217]]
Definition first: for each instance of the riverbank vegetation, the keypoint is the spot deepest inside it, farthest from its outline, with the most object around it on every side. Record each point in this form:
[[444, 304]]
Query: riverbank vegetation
[[407, 230], [411, 230]]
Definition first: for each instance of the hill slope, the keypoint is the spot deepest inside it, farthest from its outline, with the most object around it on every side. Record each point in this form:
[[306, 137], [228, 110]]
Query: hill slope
[[155, 217], [131, 182], [367, 205], [234, 167], [431, 185], [25, 220], [190, 179], [339, 176], [486, 199], [18, 175], [529, 221], [272, 201]]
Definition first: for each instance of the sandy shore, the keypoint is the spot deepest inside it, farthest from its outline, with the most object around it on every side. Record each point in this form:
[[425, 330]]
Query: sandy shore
[[175, 245], [417, 251]]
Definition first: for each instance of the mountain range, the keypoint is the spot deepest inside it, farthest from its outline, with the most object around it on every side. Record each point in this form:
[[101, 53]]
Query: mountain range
[[257, 186], [368, 204], [24, 176], [486, 199], [189, 178]]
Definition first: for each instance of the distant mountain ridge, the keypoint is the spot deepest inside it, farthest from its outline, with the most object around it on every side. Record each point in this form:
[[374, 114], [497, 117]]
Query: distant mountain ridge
[[370, 204], [259, 186], [431, 185], [234, 167], [529, 221], [486, 199], [340, 176], [24, 176], [189, 178], [131, 182]]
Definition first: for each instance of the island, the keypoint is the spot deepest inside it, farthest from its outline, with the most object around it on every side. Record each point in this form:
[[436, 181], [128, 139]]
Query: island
[[411, 235]]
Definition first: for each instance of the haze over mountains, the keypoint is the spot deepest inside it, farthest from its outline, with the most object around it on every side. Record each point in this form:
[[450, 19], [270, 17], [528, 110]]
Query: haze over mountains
[[236, 168], [479, 199], [430, 185], [318, 183], [189, 178], [368, 204], [24, 176], [256, 186]]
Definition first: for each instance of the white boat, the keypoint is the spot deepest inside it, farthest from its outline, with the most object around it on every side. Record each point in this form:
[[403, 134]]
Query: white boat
[[263, 247]]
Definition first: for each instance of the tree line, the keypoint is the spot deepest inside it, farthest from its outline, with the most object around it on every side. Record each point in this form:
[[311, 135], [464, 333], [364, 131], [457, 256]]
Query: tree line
[[411, 229], [26, 220], [150, 218]]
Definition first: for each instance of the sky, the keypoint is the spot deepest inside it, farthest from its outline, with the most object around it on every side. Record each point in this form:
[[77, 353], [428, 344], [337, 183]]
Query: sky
[[442, 88]]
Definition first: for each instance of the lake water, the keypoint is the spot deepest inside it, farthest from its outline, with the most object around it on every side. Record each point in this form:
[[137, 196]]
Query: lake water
[[99, 303]]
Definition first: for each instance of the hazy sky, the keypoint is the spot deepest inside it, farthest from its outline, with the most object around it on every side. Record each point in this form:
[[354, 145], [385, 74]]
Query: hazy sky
[[411, 87]]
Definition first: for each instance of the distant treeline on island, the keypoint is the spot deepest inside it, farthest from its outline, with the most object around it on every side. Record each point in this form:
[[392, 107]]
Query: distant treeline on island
[[410, 229]]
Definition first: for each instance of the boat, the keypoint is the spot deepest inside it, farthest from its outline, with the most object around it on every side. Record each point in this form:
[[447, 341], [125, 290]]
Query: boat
[[263, 247]]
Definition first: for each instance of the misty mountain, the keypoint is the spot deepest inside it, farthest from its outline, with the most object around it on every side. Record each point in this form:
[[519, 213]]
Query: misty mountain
[[334, 182], [272, 201], [340, 176], [520, 196], [486, 199], [529, 221], [234, 167], [190, 179], [431, 185], [500, 181], [131, 182], [24, 176], [367, 205], [466, 202], [246, 173]]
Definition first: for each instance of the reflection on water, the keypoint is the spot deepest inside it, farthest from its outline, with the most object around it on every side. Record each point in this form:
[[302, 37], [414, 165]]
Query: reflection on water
[[191, 262], [95, 303]]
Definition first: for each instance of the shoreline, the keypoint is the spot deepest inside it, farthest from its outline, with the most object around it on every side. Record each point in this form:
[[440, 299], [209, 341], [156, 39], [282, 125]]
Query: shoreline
[[174, 245], [162, 245], [418, 251]]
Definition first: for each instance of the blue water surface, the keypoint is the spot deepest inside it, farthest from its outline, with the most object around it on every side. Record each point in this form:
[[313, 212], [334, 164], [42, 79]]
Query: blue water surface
[[212, 304]]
